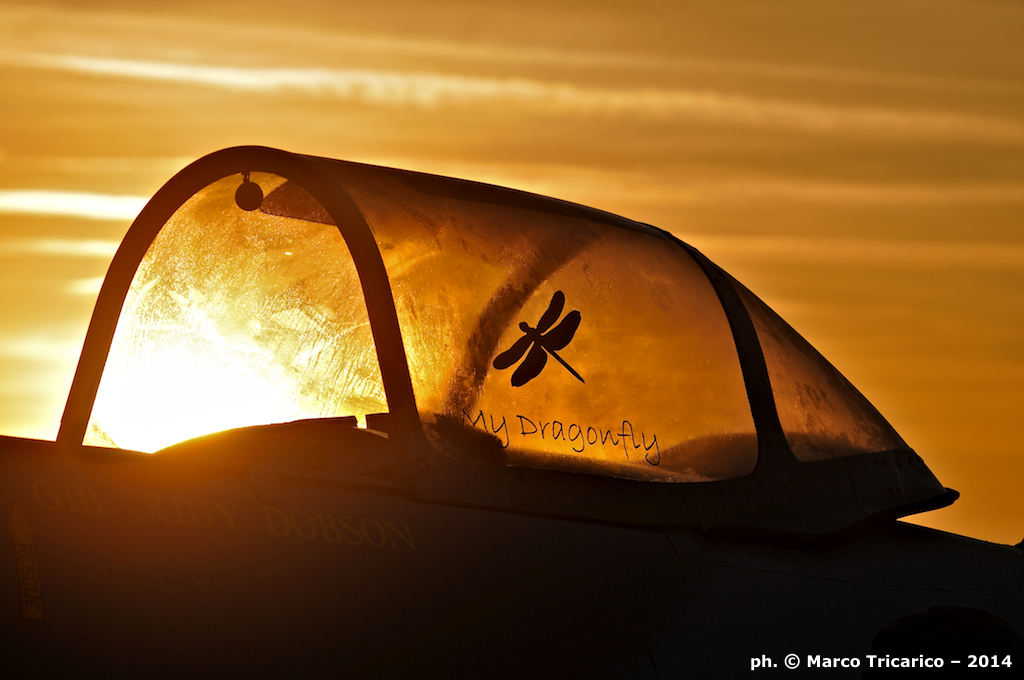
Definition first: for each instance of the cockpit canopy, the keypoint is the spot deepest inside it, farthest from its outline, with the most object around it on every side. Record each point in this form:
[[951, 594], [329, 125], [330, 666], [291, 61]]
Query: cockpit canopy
[[575, 340]]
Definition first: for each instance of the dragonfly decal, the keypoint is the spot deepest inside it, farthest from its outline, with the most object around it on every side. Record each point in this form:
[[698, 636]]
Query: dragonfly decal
[[540, 342]]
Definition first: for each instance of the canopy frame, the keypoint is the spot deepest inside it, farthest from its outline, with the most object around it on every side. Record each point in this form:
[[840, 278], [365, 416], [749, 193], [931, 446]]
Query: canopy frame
[[788, 498], [405, 425]]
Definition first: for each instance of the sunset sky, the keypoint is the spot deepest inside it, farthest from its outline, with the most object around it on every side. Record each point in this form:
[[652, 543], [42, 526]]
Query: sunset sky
[[859, 166]]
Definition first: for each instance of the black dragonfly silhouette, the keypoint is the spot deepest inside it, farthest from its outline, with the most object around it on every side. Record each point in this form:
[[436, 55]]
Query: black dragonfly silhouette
[[541, 343]]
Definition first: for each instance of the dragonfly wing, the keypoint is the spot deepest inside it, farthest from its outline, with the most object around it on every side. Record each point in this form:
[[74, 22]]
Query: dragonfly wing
[[531, 366], [513, 353], [562, 334], [554, 311]]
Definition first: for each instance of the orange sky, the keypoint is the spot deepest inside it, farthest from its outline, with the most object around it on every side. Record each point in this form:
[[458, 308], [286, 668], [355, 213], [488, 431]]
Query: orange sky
[[860, 166]]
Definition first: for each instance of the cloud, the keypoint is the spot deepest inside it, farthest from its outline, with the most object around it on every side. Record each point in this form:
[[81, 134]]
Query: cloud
[[40, 347], [60, 247], [397, 88], [71, 203], [89, 287], [863, 252]]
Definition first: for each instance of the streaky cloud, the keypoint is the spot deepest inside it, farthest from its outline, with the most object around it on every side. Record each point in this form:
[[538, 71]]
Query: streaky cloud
[[928, 254], [55, 348], [80, 204], [59, 247], [429, 90], [97, 30], [88, 287]]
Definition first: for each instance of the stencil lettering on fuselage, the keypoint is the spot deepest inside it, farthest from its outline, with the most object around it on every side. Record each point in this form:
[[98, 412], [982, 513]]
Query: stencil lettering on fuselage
[[152, 509], [28, 566]]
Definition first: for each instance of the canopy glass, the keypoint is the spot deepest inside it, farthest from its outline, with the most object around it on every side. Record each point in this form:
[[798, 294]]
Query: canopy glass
[[564, 338]]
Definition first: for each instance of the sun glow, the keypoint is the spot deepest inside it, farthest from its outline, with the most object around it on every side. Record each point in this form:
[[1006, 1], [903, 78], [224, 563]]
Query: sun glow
[[193, 393], [236, 319]]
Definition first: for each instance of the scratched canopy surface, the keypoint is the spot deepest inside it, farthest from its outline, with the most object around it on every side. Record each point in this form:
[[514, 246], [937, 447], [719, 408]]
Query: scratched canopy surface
[[236, 318], [647, 387], [564, 338], [822, 414]]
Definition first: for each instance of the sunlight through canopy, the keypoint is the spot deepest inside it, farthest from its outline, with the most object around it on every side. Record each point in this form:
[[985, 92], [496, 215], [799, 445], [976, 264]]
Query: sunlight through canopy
[[521, 330], [577, 340], [236, 318]]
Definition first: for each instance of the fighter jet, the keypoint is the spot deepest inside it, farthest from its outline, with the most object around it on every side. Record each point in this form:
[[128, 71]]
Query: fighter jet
[[346, 420]]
